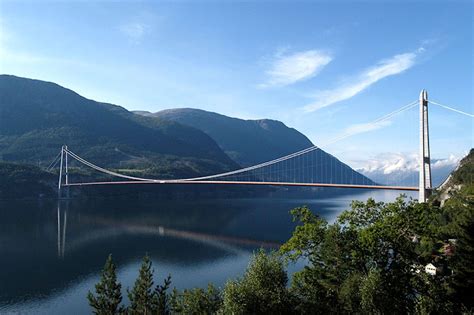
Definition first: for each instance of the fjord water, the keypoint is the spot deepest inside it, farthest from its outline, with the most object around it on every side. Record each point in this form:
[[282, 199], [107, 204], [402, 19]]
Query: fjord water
[[51, 253]]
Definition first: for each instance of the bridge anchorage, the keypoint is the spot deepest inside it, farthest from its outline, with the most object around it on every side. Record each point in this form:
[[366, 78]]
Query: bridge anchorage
[[315, 168]]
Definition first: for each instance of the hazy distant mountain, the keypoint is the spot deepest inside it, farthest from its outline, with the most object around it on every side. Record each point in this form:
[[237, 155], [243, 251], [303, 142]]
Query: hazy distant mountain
[[250, 142], [37, 117], [247, 142]]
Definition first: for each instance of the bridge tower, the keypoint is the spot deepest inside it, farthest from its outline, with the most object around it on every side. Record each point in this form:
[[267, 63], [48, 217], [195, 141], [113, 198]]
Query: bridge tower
[[63, 171], [424, 157]]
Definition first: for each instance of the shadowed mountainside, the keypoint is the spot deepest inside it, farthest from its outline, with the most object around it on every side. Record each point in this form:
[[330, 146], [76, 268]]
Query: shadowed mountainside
[[247, 142], [37, 117], [250, 142]]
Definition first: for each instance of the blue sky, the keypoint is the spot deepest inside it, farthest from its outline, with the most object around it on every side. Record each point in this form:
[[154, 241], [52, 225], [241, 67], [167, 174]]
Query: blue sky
[[323, 67]]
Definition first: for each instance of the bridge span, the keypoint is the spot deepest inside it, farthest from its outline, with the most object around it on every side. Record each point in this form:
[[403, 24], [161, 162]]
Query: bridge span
[[283, 171], [222, 182]]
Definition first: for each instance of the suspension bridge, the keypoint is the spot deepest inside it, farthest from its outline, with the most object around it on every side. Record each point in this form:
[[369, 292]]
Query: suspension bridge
[[311, 167]]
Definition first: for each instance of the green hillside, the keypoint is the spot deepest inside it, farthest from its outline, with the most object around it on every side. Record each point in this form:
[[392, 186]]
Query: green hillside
[[37, 117]]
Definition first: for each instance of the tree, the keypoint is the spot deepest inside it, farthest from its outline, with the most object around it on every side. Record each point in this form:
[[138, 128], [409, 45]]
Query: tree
[[161, 298], [262, 289], [459, 212], [197, 301], [141, 295], [315, 287], [368, 261], [108, 292], [143, 298]]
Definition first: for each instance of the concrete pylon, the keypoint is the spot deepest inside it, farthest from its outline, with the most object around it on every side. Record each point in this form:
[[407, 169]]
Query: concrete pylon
[[60, 172], [425, 165]]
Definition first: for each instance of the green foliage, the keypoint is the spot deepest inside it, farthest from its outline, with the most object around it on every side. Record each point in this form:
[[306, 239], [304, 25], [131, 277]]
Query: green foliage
[[262, 289], [465, 173], [370, 301], [142, 296], [459, 214], [458, 231], [350, 293], [306, 237], [108, 296], [371, 260], [197, 301], [161, 299]]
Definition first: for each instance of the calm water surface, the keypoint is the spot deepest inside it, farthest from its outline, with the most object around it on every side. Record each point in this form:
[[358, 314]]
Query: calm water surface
[[52, 253]]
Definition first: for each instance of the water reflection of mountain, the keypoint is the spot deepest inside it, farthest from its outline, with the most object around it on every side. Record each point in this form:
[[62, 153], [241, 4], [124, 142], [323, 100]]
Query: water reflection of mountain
[[201, 191]]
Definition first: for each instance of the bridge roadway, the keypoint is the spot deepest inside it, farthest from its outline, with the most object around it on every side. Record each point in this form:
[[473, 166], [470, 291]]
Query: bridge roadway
[[221, 182]]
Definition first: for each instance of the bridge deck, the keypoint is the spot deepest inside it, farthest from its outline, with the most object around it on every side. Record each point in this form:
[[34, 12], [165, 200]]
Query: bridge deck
[[246, 183]]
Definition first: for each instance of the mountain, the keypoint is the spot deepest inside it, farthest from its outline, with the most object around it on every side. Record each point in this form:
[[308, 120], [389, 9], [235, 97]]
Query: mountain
[[37, 117], [460, 181], [248, 142], [25, 181]]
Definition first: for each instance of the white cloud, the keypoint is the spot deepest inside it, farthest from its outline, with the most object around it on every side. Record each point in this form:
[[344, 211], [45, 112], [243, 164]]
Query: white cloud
[[452, 160], [389, 163], [134, 31], [385, 68], [291, 68]]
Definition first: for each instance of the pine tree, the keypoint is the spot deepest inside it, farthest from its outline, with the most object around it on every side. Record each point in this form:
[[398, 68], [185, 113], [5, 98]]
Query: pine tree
[[161, 299], [108, 295], [141, 296]]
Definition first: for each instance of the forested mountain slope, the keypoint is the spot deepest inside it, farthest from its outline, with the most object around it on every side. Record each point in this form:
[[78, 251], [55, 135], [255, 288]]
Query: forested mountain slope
[[37, 117]]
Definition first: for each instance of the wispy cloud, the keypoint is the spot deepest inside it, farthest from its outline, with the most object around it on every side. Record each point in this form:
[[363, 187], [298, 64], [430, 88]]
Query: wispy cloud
[[385, 68], [361, 128], [134, 31], [287, 69], [355, 129]]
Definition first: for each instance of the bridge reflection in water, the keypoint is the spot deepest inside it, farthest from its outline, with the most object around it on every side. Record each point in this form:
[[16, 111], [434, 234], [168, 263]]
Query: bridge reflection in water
[[108, 228]]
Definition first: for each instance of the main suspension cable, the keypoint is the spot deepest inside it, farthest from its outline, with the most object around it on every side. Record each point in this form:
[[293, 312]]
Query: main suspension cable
[[103, 170], [375, 122], [452, 109], [304, 151], [246, 169]]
